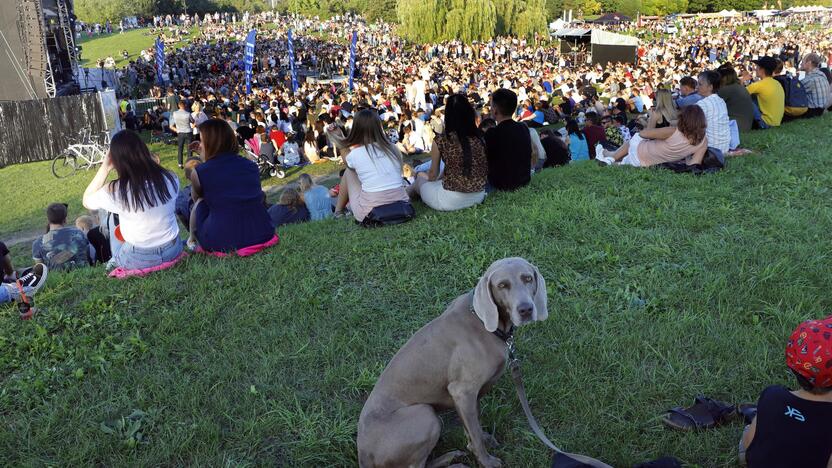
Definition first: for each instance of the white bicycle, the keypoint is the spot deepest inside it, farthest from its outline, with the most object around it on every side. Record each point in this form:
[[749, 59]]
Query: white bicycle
[[81, 156]]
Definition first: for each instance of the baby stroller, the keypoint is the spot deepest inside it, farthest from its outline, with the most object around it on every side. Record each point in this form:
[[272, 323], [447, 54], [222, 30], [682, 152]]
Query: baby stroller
[[267, 167]]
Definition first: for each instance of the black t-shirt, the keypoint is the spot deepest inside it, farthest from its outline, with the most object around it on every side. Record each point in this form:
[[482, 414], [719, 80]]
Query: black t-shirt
[[509, 150], [790, 431], [101, 245], [3, 250]]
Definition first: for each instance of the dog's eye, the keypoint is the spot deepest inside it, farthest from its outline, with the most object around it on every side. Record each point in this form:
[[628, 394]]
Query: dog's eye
[[527, 278], [503, 285]]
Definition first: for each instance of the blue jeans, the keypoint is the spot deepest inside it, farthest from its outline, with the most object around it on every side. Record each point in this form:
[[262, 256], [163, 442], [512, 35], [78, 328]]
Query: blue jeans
[[131, 257], [425, 167], [758, 116], [4, 295]]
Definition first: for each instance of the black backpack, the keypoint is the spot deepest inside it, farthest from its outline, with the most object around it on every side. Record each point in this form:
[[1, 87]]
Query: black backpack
[[795, 93], [387, 215]]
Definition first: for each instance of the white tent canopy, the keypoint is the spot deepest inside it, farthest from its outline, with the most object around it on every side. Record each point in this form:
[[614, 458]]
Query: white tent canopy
[[807, 9], [557, 24], [729, 13], [608, 38]]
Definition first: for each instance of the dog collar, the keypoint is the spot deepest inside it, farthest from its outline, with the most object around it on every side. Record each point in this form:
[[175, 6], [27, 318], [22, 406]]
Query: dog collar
[[507, 337]]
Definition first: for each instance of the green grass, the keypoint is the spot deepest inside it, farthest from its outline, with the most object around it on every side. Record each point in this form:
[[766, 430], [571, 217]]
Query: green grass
[[661, 287], [104, 45]]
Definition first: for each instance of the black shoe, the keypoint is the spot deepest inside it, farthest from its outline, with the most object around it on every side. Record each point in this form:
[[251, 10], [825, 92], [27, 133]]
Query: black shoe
[[32, 279]]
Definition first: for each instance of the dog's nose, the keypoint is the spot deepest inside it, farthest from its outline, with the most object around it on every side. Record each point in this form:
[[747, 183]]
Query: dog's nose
[[525, 311]]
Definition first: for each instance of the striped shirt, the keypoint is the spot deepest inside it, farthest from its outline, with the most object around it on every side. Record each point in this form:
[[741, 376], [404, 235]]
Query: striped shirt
[[817, 89], [716, 115]]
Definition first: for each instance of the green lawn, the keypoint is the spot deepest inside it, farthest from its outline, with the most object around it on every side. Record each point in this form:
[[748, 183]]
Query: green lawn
[[661, 287], [133, 41]]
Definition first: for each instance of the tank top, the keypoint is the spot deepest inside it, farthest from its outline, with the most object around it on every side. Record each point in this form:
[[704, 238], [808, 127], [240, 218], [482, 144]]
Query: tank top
[[790, 431]]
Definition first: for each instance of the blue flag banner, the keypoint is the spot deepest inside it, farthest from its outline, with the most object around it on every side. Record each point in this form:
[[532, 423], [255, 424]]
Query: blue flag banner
[[294, 72], [352, 57], [160, 61], [249, 57]]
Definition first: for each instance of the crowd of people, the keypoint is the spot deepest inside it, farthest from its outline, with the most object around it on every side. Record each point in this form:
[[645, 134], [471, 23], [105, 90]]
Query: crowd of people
[[445, 123]]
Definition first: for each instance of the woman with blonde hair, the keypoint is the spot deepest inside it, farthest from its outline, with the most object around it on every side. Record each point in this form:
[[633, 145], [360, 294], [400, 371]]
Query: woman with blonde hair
[[665, 114], [197, 118], [373, 176]]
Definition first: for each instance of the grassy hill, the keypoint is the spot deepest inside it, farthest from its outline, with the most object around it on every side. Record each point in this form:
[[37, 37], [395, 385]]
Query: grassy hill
[[661, 287]]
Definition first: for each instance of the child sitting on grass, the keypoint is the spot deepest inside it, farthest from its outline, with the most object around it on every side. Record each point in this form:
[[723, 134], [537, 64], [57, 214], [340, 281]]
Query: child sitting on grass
[[794, 428]]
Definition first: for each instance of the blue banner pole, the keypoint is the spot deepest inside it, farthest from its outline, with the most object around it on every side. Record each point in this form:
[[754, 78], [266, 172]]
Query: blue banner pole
[[294, 73], [352, 57], [249, 57], [160, 60]]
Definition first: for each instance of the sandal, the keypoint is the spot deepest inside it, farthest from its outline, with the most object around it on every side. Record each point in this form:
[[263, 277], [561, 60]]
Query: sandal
[[705, 413]]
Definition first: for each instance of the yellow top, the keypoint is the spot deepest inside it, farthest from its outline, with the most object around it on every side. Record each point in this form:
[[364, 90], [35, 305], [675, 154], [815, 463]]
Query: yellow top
[[770, 98]]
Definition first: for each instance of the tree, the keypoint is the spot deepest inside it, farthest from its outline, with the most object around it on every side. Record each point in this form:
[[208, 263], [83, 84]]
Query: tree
[[422, 20], [631, 7], [507, 12], [532, 20]]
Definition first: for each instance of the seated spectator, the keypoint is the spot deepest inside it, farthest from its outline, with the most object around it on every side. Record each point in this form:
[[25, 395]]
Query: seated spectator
[[791, 427], [538, 153], [687, 93], [637, 102], [144, 198], [315, 197], [99, 244], [611, 132], [184, 199], [62, 247], [557, 152], [716, 112], [737, 100], [816, 85], [508, 145], [651, 147], [267, 150], [289, 210], [462, 150], [665, 113], [412, 142], [535, 118], [578, 147], [310, 149], [6, 267], [795, 108], [593, 132], [290, 152], [620, 122], [769, 97], [228, 212], [374, 167]]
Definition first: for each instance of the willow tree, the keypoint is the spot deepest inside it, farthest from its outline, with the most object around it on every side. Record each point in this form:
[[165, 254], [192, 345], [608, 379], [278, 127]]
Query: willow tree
[[507, 11], [422, 20], [532, 19], [471, 20]]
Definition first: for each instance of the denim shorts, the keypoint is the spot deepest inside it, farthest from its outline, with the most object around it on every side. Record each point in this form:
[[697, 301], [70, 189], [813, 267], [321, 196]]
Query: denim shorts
[[131, 257]]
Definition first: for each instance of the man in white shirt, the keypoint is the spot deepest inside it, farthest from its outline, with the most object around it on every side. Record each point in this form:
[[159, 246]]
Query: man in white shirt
[[716, 112]]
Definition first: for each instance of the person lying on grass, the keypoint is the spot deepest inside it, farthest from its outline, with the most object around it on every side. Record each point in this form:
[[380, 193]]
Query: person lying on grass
[[144, 197], [655, 146], [794, 428]]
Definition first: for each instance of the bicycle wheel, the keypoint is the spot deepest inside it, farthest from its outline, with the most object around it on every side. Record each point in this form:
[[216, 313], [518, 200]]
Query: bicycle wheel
[[64, 166]]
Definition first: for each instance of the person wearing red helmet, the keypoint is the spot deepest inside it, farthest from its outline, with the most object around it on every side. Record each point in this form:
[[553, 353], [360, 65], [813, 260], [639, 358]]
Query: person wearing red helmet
[[794, 428]]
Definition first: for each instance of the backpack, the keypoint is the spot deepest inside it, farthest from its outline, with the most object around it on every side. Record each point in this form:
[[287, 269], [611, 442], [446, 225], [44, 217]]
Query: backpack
[[796, 99], [387, 215]]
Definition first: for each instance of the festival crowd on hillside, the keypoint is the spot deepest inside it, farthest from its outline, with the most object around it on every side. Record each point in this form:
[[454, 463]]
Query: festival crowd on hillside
[[445, 123]]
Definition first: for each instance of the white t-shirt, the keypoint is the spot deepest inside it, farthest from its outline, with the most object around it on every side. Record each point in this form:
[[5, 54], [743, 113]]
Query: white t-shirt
[[146, 229], [376, 171]]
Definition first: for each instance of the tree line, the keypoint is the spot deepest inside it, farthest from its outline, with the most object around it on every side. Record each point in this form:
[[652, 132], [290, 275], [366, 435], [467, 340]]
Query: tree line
[[430, 20]]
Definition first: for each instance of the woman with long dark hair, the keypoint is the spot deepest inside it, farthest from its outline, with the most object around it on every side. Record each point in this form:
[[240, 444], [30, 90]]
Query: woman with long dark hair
[[462, 150], [578, 146], [144, 198], [228, 213], [374, 167]]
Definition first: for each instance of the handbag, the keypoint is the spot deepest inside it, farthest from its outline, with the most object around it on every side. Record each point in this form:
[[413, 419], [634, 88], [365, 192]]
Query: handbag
[[387, 215]]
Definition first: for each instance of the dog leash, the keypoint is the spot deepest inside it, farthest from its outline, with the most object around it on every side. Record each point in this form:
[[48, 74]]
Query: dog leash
[[514, 366]]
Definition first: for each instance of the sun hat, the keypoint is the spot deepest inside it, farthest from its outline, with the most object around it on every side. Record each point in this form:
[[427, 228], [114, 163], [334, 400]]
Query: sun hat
[[809, 352]]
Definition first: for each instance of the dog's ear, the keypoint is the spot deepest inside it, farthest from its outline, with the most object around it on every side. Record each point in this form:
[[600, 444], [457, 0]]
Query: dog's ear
[[540, 298], [484, 305]]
